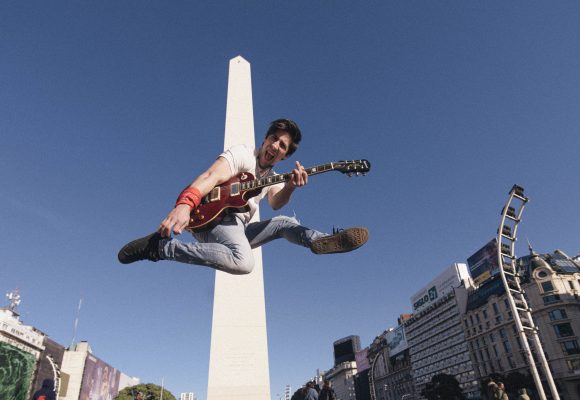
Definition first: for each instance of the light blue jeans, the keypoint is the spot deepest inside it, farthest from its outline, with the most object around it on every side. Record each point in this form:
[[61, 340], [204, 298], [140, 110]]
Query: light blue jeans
[[228, 246]]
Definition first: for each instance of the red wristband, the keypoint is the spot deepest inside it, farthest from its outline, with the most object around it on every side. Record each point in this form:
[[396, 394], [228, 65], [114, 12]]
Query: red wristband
[[190, 196]]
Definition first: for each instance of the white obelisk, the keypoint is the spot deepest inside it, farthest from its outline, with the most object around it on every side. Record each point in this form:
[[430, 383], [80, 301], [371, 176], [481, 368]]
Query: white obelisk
[[238, 365]]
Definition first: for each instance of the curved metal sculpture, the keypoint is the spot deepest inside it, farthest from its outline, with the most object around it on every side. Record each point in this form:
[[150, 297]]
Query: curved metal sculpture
[[506, 238]]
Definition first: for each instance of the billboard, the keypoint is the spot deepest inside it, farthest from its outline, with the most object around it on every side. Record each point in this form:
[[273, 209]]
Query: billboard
[[345, 349], [440, 286], [396, 340], [483, 264], [100, 380], [16, 370]]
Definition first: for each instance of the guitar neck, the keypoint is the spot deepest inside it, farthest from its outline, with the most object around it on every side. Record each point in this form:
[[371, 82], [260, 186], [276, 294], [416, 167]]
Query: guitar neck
[[282, 178]]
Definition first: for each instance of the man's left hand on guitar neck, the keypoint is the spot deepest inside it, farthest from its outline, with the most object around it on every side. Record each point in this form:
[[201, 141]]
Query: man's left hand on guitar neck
[[279, 198]]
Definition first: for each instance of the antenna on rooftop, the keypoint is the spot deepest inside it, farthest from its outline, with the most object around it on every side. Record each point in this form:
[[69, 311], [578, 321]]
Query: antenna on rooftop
[[530, 246], [14, 298], [76, 325]]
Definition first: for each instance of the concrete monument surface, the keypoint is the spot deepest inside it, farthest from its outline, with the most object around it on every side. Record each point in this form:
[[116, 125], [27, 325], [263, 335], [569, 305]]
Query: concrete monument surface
[[238, 367]]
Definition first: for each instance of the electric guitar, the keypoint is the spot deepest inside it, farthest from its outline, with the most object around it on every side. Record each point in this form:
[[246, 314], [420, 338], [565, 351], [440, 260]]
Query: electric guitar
[[234, 194]]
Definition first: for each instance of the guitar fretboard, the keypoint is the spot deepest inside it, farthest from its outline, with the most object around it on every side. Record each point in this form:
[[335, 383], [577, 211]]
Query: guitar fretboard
[[281, 178]]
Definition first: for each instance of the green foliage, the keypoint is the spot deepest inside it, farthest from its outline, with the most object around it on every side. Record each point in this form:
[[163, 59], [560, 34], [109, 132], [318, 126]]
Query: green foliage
[[443, 387], [149, 391]]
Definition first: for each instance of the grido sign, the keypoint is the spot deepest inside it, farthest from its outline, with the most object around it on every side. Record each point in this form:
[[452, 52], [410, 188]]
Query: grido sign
[[440, 286]]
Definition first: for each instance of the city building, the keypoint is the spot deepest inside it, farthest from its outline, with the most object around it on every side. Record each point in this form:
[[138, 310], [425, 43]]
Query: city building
[[342, 378], [434, 333], [552, 286], [187, 396], [29, 359], [21, 347], [391, 364], [84, 376], [361, 379], [346, 348]]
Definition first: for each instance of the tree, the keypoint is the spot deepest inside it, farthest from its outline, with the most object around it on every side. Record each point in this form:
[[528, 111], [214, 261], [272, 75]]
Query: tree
[[144, 391], [442, 387]]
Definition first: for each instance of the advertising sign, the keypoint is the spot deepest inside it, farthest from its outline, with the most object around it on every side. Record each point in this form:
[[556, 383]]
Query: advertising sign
[[100, 380], [396, 340], [484, 263], [440, 286], [16, 370]]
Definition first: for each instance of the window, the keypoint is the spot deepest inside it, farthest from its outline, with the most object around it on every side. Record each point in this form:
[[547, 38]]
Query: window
[[554, 298], [563, 330], [477, 317], [491, 337], [484, 314], [570, 347], [495, 308], [507, 347], [519, 342], [506, 304], [502, 333], [571, 283], [542, 274], [557, 314], [573, 365], [547, 286]]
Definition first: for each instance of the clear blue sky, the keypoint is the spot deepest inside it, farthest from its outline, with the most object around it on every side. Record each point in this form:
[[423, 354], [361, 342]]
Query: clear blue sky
[[108, 109]]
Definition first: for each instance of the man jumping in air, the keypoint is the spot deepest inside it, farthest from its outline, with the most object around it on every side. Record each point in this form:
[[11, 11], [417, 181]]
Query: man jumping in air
[[228, 245]]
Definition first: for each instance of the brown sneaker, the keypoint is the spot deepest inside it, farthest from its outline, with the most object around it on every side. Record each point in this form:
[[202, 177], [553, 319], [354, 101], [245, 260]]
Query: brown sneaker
[[340, 242]]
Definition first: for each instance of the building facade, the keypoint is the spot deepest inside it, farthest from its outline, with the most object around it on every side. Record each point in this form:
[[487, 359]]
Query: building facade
[[552, 286], [436, 340], [21, 347], [342, 378], [187, 396], [391, 366]]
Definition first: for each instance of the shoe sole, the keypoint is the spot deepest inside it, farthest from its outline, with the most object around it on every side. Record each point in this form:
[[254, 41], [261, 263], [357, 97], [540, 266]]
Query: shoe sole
[[342, 242]]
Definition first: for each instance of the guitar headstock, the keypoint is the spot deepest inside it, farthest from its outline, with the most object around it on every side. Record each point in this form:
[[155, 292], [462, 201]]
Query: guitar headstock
[[353, 167]]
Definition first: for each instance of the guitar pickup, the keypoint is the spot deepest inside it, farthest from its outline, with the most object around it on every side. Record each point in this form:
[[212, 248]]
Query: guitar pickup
[[235, 189], [214, 195]]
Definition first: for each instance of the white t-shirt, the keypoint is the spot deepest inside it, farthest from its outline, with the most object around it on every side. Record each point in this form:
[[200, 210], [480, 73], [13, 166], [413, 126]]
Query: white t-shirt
[[242, 158]]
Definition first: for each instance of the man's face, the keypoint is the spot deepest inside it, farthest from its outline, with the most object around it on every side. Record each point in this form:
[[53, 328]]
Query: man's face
[[274, 149]]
